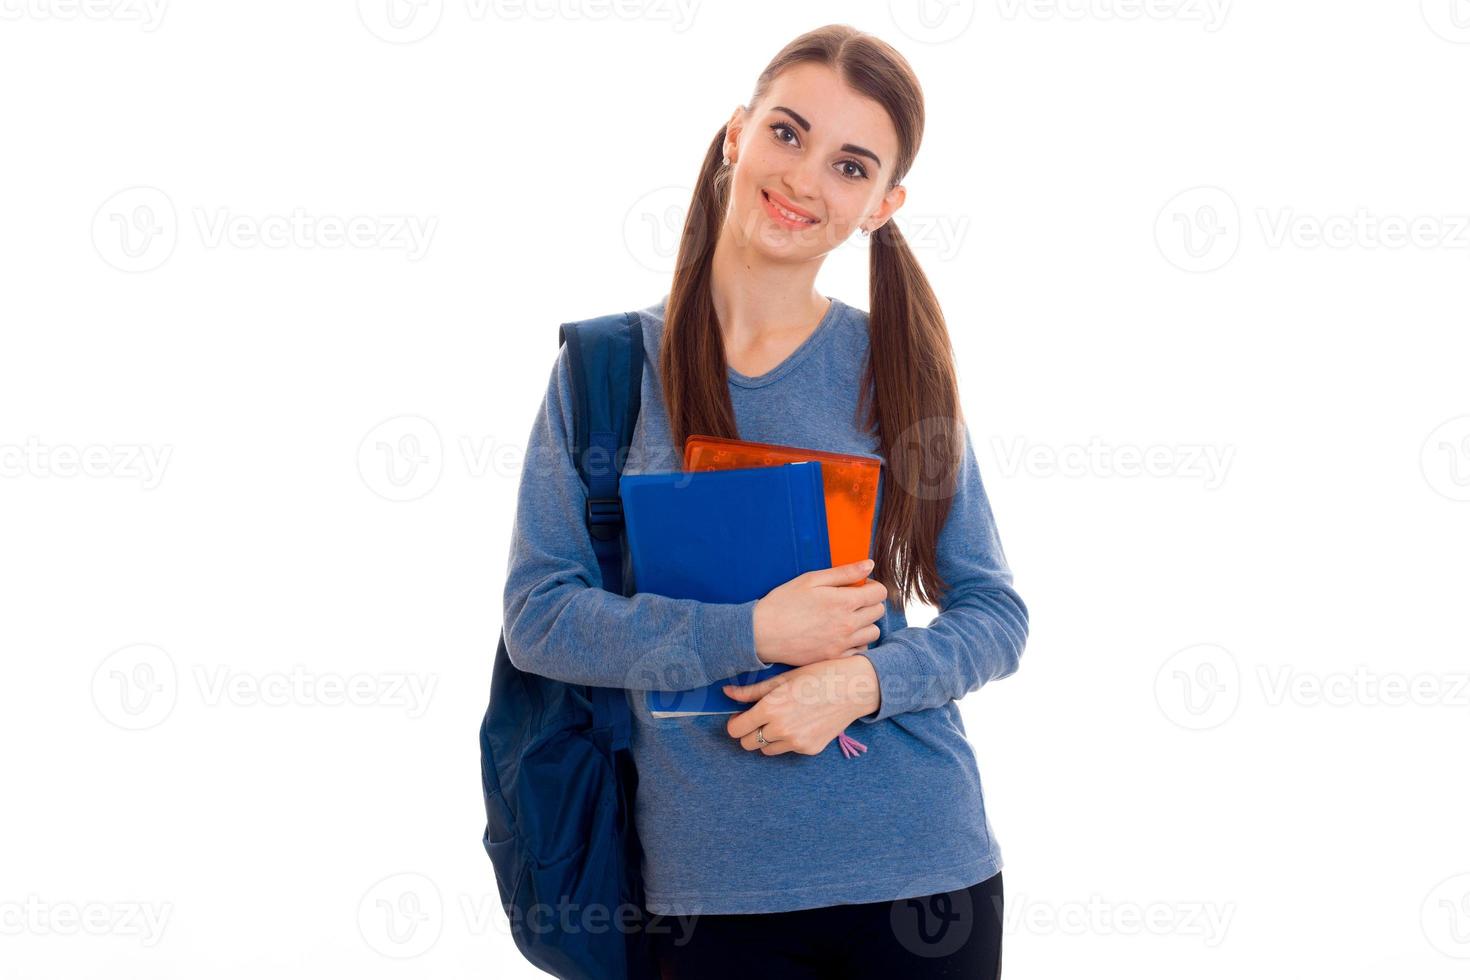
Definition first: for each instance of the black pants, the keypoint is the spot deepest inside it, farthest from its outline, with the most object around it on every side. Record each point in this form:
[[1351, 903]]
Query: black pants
[[948, 934]]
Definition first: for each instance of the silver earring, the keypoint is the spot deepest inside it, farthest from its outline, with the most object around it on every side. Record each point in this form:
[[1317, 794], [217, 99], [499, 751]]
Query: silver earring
[[727, 159], [865, 233]]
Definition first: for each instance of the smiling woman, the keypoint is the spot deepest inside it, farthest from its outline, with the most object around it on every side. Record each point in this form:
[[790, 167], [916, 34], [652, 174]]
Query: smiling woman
[[796, 859]]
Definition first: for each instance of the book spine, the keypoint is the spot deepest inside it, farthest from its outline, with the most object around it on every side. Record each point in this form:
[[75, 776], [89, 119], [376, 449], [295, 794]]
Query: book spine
[[813, 550]]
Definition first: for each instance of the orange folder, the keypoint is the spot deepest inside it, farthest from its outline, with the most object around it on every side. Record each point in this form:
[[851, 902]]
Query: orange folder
[[849, 484]]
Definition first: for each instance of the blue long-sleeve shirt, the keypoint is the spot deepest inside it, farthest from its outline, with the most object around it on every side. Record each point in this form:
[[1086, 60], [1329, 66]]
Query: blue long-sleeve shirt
[[726, 830]]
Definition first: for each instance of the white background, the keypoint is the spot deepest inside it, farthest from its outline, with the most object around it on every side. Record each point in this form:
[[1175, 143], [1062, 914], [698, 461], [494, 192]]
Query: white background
[[1189, 230]]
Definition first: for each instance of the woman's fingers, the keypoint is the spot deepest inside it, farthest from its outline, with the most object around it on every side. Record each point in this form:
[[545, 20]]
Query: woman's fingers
[[839, 575]]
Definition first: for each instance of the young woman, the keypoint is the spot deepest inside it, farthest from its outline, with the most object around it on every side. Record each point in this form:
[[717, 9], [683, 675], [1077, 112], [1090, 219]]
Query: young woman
[[768, 852]]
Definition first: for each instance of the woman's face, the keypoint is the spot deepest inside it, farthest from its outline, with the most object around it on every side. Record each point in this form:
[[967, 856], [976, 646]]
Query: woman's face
[[818, 149]]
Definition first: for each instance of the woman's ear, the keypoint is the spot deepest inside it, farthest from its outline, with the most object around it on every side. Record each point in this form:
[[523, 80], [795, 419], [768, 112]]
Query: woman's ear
[[892, 201], [733, 128]]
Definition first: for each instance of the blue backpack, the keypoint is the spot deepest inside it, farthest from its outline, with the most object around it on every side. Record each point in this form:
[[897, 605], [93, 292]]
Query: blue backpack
[[555, 761]]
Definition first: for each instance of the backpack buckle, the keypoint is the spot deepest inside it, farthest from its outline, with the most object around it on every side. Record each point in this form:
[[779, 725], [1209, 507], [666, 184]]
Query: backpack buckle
[[604, 517]]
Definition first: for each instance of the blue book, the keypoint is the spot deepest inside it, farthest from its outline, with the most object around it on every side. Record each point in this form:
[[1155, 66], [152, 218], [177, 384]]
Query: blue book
[[723, 536]]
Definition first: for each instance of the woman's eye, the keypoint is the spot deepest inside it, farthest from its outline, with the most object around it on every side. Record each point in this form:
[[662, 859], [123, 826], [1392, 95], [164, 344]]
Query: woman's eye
[[861, 172]]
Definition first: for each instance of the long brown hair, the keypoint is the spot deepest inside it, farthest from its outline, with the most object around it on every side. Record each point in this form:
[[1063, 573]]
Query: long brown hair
[[910, 395]]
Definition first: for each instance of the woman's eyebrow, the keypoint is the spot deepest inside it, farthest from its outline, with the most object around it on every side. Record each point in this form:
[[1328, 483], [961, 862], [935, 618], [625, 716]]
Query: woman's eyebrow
[[846, 147]]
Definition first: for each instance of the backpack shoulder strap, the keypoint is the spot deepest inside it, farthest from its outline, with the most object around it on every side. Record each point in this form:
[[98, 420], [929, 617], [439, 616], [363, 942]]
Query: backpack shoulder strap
[[605, 359]]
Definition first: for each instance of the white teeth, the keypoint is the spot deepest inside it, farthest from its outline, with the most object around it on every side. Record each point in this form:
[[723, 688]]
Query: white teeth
[[793, 217]]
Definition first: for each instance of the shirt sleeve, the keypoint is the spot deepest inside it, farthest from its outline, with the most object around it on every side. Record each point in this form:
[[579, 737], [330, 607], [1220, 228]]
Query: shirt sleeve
[[559, 621], [981, 627]]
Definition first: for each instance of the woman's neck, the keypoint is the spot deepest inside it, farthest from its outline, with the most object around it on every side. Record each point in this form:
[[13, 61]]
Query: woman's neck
[[761, 304]]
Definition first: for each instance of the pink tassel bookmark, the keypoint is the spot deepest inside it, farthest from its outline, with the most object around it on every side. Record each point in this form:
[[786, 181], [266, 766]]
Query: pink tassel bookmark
[[850, 746]]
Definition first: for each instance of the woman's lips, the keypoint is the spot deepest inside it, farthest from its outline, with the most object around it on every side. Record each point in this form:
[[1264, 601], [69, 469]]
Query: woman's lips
[[778, 215]]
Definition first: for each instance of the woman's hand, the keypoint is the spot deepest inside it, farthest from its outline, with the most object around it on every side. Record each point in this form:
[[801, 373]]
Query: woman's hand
[[806, 708], [819, 615]]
